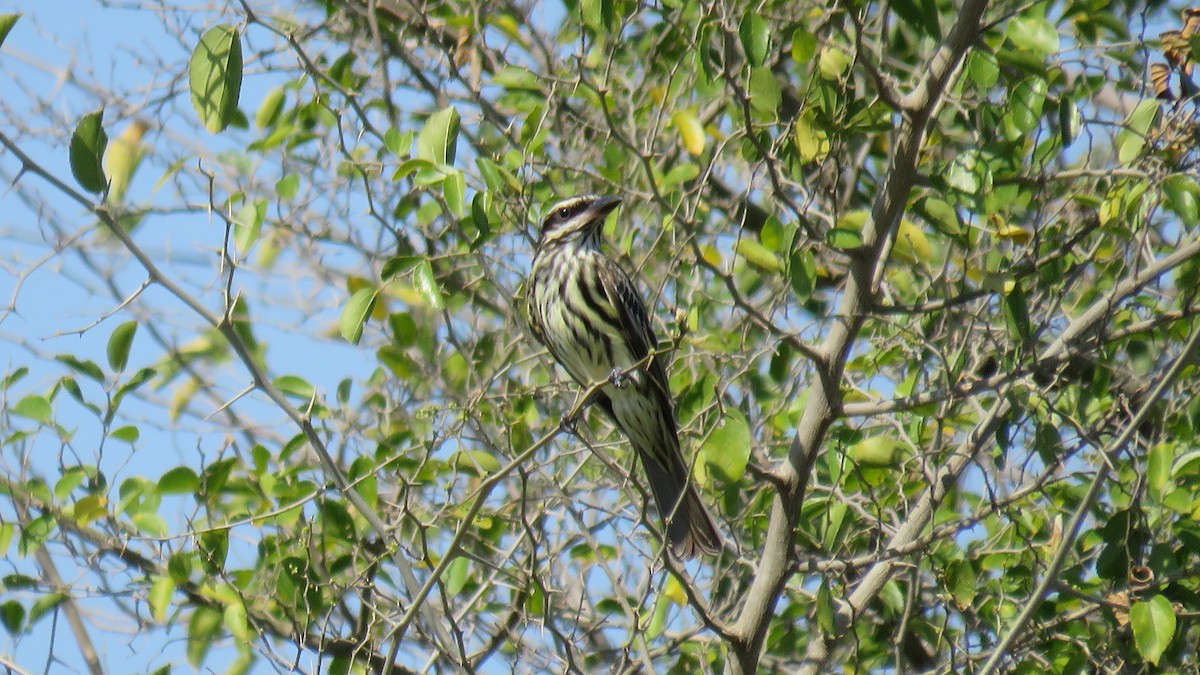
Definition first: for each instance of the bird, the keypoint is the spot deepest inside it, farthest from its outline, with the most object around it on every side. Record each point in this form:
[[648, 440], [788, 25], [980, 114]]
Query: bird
[[587, 312]]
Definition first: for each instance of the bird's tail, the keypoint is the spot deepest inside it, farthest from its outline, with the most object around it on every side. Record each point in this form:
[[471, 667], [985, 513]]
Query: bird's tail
[[690, 529]]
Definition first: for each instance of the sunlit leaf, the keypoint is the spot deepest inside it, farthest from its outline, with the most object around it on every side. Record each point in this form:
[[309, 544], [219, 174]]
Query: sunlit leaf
[[1033, 34], [215, 76], [436, 142], [355, 313], [1153, 623], [34, 407], [691, 131]]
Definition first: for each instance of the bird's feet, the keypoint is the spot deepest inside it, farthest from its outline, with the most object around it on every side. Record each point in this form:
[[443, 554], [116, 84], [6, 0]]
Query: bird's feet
[[567, 424], [618, 378]]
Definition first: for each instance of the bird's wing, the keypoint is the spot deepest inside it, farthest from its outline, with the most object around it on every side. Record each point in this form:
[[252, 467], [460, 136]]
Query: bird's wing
[[635, 324]]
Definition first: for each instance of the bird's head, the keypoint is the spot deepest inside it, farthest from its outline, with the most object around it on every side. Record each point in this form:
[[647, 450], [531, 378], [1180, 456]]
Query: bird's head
[[576, 221]]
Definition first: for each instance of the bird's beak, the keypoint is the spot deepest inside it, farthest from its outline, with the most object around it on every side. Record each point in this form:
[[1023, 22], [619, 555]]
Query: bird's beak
[[604, 206]]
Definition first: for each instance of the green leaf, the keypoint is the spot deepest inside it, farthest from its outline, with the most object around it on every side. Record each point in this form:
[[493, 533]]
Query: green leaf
[[1016, 313], [454, 191], [826, 615], [756, 38], [247, 225], [456, 575], [427, 285], [214, 547], [1187, 464], [44, 605], [215, 77], [34, 407], [12, 614], [336, 520], [923, 18], [474, 462], [202, 628], [234, 617], [71, 479], [35, 533], [1183, 196], [1153, 623], [765, 95], [83, 367], [296, 387], [1025, 108], [727, 448], [962, 582], [437, 140], [843, 238], [181, 480], [877, 452], [7, 21], [1033, 34], [126, 434], [804, 45], [1070, 121], [1158, 467], [87, 153], [89, 508], [354, 315], [802, 273], [983, 69], [161, 592], [833, 63], [15, 377], [758, 255], [288, 186], [268, 111], [1132, 138], [119, 344], [150, 523]]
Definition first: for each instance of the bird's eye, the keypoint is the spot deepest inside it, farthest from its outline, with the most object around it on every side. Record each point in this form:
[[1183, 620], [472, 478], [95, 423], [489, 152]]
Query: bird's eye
[[564, 213]]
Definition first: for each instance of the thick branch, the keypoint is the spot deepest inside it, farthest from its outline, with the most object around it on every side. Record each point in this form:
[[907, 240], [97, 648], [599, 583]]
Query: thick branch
[[866, 268]]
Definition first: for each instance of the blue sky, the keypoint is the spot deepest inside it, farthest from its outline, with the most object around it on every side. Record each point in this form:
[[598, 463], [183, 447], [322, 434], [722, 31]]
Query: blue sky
[[119, 50]]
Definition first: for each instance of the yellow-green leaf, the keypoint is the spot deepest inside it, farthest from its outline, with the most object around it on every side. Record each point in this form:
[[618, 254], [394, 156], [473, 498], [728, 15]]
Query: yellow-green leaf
[[160, 595], [833, 63], [691, 131], [811, 142], [876, 451], [758, 255]]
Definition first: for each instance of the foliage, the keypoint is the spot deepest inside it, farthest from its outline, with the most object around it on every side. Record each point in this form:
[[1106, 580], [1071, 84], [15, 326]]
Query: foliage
[[928, 273]]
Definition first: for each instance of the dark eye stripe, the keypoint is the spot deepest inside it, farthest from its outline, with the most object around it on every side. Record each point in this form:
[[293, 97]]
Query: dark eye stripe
[[565, 213], [569, 212]]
